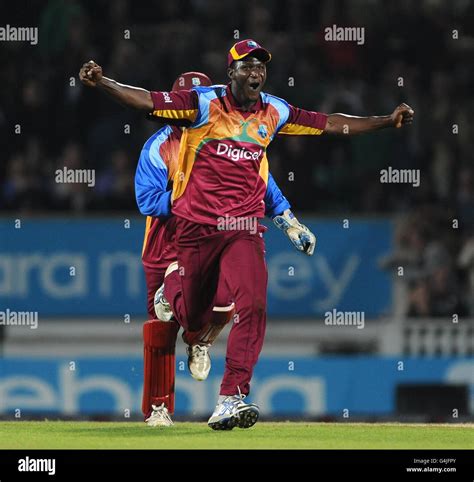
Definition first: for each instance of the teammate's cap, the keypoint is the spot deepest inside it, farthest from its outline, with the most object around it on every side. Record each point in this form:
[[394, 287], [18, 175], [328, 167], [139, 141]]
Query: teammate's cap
[[246, 47], [188, 80]]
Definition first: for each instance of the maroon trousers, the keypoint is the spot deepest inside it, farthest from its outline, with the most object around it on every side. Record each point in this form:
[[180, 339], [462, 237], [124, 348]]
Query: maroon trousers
[[154, 278], [216, 268]]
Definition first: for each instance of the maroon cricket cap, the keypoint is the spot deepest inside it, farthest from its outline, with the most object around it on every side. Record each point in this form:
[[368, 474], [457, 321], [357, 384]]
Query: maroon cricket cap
[[188, 80], [246, 47]]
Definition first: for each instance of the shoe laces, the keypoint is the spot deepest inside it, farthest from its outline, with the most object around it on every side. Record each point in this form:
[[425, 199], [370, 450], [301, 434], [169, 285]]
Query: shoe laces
[[237, 399], [161, 412], [200, 352], [160, 294], [164, 302]]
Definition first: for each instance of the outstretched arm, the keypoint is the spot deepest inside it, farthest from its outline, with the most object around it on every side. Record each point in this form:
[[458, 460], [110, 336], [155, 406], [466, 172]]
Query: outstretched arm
[[304, 122], [350, 125], [134, 97]]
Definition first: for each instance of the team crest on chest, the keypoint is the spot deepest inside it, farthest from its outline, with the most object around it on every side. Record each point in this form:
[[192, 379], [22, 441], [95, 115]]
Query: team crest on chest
[[262, 131]]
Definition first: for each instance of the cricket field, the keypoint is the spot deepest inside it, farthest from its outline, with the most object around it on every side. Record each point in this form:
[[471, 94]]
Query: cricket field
[[264, 435]]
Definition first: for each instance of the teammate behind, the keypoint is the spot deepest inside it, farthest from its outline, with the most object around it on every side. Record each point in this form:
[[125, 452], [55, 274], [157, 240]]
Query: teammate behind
[[156, 168]]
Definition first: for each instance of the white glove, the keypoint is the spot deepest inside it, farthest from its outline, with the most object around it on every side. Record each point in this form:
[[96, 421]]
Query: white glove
[[301, 237]]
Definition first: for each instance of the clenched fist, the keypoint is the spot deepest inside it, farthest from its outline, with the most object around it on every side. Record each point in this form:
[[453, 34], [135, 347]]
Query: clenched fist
[[90, 73], [403, 114]]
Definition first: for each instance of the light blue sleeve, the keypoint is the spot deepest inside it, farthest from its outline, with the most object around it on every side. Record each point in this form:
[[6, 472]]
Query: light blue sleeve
[[275, 202], [151, 178]]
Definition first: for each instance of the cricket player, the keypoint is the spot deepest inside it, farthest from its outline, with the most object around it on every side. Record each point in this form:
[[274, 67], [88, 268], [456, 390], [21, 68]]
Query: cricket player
[[156, 168], [223, 174]]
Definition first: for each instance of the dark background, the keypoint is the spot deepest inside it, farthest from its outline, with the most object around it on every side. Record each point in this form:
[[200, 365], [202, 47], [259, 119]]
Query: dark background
[[65, 124]]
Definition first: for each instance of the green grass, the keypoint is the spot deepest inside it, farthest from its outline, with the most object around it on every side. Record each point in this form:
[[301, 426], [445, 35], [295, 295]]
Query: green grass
[[264, 435]]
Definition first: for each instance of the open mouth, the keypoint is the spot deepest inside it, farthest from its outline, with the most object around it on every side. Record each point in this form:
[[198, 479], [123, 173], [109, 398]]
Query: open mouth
[[254, 85]]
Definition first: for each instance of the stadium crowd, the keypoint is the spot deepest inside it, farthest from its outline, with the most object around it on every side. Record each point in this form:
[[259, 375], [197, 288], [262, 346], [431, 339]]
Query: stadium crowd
[[411, 53]]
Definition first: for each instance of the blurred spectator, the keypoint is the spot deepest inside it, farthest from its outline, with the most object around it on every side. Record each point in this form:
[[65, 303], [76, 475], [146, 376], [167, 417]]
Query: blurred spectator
[[69, 195], [465, 197], [466, 263], [425, 276], [115, 187]]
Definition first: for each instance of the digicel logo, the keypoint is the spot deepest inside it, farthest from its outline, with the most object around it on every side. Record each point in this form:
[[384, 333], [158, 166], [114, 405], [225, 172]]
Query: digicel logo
[[236, 153]]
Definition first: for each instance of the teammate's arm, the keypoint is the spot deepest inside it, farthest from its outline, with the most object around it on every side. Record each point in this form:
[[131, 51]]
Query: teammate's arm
[[150, 187], [278, 209], [134, 97], [275, 201]]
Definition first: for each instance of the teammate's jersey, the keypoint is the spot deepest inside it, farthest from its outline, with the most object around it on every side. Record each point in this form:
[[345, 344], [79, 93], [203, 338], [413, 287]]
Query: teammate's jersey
[[156, 166], [222, 169]]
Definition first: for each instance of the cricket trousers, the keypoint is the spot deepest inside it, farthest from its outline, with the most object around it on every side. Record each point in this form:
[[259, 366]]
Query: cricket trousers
[[217, 267], [154, 278]]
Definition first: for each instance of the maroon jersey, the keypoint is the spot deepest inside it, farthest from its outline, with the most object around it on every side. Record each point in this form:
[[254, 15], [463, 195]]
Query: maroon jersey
[[223, 169]]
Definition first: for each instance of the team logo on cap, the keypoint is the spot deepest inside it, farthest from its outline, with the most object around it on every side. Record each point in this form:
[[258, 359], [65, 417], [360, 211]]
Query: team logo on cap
[[252, 44], [262, 131], [196, 81]]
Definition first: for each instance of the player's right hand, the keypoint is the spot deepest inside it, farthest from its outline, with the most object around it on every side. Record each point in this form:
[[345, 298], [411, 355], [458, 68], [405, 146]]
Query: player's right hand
[[90, 74]]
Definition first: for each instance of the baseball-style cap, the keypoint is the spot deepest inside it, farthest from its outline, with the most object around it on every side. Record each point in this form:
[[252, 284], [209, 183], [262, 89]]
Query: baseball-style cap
[[188, 80], [246, 47]]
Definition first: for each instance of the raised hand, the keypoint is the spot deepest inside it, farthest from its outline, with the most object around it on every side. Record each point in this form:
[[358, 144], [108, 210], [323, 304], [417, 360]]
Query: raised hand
[[90, 74], [402, 115]]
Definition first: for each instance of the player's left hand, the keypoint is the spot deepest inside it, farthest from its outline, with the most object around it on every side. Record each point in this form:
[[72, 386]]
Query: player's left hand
[[301, 237], [402, 115]]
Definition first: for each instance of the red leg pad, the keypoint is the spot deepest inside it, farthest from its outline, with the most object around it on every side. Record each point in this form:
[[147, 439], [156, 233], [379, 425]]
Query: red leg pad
[[159, 341]]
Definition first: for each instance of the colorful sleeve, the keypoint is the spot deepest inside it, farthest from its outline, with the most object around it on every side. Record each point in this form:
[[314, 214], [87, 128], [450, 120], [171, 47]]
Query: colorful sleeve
[[275, 202], [151, 180], [302, 122], [175, 105]]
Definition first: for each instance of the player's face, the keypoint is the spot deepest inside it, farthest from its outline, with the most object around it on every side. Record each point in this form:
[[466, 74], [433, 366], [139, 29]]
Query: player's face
[[249, 76]]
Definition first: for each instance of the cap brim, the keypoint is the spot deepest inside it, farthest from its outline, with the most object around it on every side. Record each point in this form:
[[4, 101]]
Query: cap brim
[[260, 54]]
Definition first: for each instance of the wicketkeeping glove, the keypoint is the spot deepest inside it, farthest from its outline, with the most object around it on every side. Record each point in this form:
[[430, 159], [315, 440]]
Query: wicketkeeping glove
[[302, 238]]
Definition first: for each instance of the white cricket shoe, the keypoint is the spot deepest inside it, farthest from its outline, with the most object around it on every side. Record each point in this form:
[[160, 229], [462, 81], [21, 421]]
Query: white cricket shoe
[[199, 361], [159, 417], [233, 412], [162, 307]]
